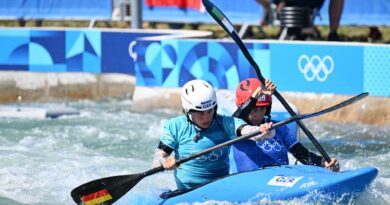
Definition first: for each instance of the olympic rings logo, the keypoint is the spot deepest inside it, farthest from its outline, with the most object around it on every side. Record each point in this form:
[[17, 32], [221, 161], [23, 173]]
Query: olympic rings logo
[[315, 67], [270, 144], [214, 155]]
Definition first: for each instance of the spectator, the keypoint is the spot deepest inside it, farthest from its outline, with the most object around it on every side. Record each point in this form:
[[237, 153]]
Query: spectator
[[266, 10], [374, 34], [335, 10], [22, 22]]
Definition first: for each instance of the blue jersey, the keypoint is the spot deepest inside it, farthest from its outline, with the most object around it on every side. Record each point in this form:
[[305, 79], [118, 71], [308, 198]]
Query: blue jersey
[[250, 155], [185, 139]]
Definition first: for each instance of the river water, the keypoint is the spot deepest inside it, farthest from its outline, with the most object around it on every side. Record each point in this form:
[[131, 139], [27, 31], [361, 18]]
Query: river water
[[42, 160]]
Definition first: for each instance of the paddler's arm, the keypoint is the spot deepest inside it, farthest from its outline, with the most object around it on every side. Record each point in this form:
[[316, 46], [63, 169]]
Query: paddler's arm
[[243, 111], [245, 108], [263, 128], [332, 165], [162, 157], [304, 156]]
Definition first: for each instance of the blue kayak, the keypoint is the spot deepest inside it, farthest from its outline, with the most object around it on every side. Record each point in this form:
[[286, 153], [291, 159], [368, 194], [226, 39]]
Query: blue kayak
[[311, 183]]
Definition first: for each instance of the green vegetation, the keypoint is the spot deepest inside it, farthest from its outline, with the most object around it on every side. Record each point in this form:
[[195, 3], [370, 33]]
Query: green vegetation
[[346, 33]]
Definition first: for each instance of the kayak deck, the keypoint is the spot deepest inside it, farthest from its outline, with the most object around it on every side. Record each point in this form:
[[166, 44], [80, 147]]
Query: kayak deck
[[282, 183]]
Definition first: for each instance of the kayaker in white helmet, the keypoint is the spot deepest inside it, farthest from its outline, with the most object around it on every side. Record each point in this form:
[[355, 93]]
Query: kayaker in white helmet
[[197, 129], [255, 109]]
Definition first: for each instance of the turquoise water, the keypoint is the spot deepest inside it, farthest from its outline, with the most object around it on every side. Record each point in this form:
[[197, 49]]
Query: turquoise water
[[43, 160]]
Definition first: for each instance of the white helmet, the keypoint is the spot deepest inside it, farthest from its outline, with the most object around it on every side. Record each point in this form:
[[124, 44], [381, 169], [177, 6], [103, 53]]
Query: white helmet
[[198, 95]]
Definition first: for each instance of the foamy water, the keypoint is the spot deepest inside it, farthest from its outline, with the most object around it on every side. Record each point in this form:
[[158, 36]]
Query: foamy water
[[43, 160]]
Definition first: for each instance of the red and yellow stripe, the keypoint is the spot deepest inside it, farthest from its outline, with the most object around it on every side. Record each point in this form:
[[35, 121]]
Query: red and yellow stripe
[[96, 197]]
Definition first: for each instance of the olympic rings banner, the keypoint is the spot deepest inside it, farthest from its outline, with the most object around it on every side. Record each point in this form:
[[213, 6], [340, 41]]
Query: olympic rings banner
[[318, 68], [294, 66], [331, 68]]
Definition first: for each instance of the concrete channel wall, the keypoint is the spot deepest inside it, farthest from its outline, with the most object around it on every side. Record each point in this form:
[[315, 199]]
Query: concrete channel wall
[[43, 87], [63, 86], [370, 110]]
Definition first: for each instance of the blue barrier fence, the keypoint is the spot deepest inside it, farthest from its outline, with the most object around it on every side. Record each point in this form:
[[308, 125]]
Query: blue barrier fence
[[362, 12], [72, 50], [293, 66], [309, 67], [239, 12], [56, 9]]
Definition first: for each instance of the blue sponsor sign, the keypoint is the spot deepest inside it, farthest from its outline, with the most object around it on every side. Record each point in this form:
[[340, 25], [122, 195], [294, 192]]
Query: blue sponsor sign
[[317, 68], [297, 67], [171, 63], [118, 51], [72, 50], [377, 70], [56, 9]]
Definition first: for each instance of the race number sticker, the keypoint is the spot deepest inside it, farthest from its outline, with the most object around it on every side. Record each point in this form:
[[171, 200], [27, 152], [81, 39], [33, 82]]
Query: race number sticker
[[284, 181]]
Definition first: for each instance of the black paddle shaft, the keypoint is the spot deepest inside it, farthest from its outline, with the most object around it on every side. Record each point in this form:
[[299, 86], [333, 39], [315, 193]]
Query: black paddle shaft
[[223, 21], [117, 186]]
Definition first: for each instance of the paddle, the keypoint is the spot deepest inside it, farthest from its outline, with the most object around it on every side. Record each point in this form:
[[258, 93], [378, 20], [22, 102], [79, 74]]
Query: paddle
[[225, 23], [110, 189]]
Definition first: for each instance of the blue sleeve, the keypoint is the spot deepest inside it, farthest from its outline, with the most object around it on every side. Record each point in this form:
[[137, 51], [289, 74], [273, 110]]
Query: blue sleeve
[[169, 136]]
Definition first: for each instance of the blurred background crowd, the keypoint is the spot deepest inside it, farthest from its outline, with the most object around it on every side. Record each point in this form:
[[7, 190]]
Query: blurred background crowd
[[321, 20]]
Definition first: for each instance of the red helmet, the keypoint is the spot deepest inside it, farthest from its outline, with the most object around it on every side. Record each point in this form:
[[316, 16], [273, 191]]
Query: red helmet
[[245, 90]]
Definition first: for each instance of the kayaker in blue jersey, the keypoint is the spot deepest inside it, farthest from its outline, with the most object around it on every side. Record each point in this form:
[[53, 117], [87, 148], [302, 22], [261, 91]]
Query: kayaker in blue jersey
[[255, 109], [197, 129]]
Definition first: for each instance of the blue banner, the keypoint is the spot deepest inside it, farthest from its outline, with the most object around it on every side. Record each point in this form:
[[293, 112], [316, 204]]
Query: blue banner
[[317, 68], [293, 66], [56, 9], [377, 70], [171, 63], [73, 50], [365, 12]]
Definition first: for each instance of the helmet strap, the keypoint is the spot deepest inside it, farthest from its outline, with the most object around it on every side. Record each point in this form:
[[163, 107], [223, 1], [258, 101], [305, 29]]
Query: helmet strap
[[189, 118]]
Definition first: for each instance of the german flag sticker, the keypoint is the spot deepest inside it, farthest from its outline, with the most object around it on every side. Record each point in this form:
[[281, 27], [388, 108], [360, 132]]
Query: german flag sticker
[[96, 197]]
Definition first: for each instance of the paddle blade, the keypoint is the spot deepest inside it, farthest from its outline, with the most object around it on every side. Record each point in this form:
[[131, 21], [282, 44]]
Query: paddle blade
[[106, 190]]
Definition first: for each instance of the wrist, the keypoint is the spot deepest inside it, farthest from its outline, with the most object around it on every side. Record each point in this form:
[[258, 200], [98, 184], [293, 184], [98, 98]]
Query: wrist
[[323, 162], [161, 160]]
